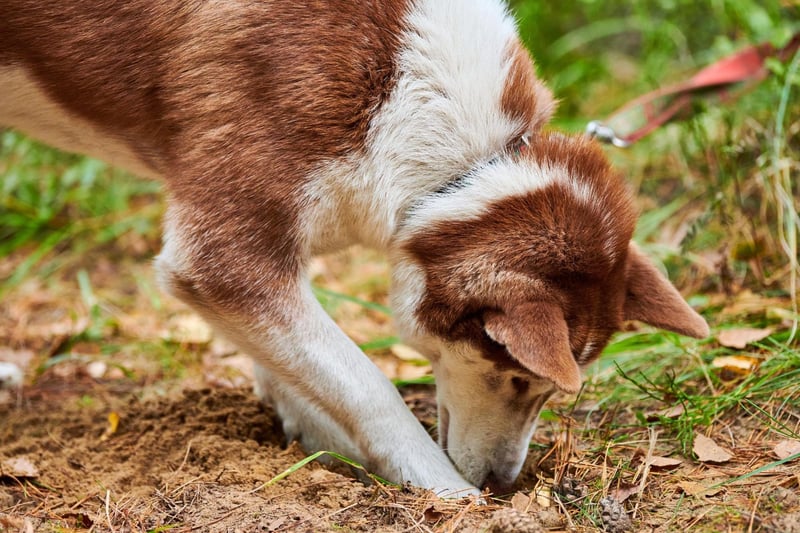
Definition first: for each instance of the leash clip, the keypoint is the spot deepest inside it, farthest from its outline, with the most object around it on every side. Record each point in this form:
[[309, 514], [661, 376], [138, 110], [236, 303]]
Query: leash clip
[[605, 134]]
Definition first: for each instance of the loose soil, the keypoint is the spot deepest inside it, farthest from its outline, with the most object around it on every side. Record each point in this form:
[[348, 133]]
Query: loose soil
[[193, 460]]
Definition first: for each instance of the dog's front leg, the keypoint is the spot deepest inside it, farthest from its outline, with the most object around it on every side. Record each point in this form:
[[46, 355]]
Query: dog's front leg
[[329, 394]]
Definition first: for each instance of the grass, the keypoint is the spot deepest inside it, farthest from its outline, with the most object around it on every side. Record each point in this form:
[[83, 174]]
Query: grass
[[719, 197], [52, 202]]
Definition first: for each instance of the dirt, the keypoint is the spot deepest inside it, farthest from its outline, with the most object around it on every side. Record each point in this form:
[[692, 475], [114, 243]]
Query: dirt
[[193, 460]]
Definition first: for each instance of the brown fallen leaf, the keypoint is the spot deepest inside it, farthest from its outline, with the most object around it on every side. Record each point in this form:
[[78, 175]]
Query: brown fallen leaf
[[18, 467], [736, 364], [786, 448], [663, 462], [406, 353], [739, 338], [708, 451], [521, 502], [748, 302], [624, 492], [670, 412], [692, 488]]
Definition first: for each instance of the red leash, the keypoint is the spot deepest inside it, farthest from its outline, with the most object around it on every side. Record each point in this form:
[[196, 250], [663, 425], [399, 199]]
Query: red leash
[[644, 114]]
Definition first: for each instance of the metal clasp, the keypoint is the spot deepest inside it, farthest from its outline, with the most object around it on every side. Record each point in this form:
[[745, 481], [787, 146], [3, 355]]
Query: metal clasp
[[605, 134]]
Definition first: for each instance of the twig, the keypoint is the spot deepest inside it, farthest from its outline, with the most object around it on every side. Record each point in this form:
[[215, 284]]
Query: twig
[[108, 514], [570, 523], [185, 458], [646, 470], [755, 508], [453, 522], [183, 463]]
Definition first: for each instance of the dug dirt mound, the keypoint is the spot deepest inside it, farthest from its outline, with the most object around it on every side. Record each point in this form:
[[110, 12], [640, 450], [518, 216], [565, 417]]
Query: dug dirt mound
[[193, 460]]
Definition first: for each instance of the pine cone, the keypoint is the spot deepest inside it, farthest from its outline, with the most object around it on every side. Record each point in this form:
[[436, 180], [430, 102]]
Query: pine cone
[[510, 520], [615, 519]]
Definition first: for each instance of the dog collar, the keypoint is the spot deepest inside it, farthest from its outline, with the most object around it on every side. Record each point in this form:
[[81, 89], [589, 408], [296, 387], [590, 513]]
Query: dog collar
[[513, 149]]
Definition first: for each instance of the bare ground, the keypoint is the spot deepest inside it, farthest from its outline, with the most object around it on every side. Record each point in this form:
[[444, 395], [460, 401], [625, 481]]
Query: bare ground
[[134, 418]]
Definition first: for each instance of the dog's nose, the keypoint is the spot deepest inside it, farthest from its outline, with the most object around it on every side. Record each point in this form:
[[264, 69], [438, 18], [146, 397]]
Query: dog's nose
[[498, 484]]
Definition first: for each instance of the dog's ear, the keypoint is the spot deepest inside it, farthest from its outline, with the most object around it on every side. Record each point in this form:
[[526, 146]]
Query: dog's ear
[[535, 335], [652, 299]]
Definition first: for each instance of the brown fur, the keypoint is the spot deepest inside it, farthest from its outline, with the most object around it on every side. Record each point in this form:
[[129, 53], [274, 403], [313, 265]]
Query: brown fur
[[651, 298], [525, 97], [544, 349], [559, 254], [220, 93]]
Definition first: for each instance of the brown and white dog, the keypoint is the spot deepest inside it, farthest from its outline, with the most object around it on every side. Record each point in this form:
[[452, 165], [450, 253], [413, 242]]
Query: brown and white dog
[[287, 129]]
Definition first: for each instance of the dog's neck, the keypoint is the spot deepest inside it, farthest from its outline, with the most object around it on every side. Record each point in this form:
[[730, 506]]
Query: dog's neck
[[429, 132]]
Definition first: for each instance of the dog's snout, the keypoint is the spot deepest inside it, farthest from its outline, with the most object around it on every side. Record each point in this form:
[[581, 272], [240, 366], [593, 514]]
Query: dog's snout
[[498, 484]]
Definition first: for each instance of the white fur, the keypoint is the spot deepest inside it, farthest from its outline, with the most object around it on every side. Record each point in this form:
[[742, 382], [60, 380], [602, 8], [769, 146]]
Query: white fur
[[408, 290], [486, 433], [506, 177], [443, 117]]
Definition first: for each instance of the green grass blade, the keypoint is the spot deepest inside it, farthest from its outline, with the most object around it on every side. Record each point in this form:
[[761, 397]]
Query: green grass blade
[[768, 466], [372, 306], [422, 380], [22, 271], [313, 457], [379, 344]]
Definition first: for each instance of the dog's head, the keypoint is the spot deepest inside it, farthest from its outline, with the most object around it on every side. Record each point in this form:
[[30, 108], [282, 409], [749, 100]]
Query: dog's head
[[512, 279]]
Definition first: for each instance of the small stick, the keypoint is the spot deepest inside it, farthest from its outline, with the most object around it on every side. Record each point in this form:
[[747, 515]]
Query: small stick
[[108, 514]]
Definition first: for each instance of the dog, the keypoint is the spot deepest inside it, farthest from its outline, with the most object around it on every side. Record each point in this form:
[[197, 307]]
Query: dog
[[287, 129]]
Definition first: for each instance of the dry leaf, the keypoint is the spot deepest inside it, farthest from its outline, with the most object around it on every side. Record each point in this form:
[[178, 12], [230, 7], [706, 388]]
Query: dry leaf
[[786, 448], [737, 364], [406, 371], [394, 368], [739, 338], [521, 502], [693, 488], [19, 467], [406, 353], [663, 462], [113, 425], [708, 451], [671, 412], [544, 496], [189, 329], [748, 302], [624, 492]]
